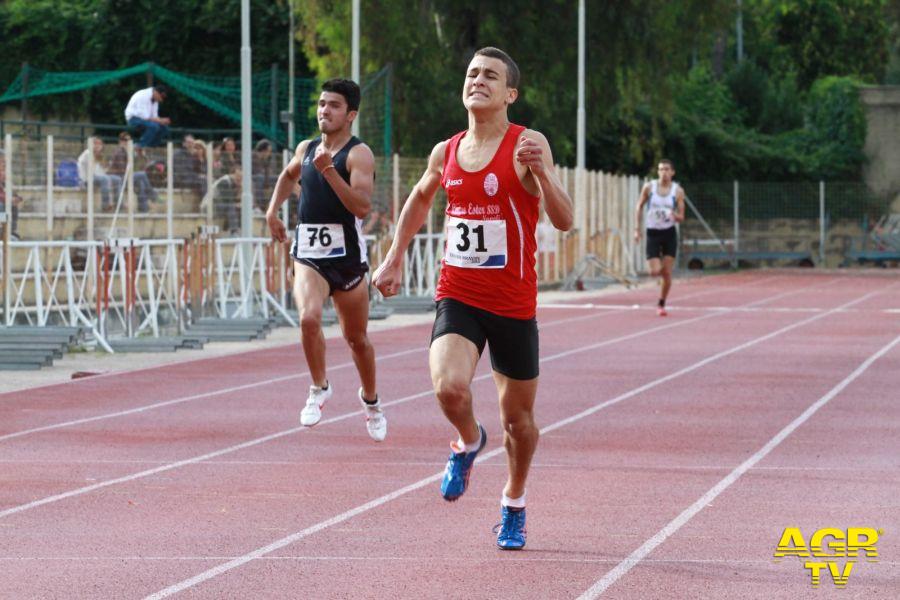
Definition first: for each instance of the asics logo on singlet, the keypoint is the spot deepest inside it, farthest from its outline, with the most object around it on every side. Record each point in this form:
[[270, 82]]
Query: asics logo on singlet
[[452, 182]]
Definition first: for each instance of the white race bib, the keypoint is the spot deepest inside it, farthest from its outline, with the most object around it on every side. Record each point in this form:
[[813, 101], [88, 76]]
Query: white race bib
[[472, 244], [320, 240], [659, 216]]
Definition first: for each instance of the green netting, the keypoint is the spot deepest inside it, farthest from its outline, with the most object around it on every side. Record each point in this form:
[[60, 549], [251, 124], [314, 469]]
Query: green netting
[[269, 90]]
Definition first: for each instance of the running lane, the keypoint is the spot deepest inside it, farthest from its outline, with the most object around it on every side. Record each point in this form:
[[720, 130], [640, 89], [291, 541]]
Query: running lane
[[158, 531]]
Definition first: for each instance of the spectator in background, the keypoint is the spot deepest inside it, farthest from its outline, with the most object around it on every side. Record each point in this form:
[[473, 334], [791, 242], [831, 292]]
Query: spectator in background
[[16, 202], [142, 112], [118, 165], [200, 154], [227, 160], [378, 222], [183, 161], [264, 174], [109, 184], [189, 166], [226, 197]]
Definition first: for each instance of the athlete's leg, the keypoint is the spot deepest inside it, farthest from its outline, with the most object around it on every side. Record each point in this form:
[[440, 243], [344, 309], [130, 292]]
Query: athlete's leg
[[452, 359], [310, 292], [668, 263], [520, 435], [655, 265], [353, 313]]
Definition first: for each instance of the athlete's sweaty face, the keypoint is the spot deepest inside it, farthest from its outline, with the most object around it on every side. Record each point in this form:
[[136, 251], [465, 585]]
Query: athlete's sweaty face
[[485, 85], [332, 112], [665, 171]]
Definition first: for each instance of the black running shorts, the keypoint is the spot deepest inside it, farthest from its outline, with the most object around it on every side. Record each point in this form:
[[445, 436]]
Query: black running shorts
[[341, 277], [513, 343], [662, 242]]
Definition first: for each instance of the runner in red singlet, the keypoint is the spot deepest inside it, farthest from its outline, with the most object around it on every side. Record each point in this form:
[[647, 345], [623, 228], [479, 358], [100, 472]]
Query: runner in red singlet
[[495, 175]]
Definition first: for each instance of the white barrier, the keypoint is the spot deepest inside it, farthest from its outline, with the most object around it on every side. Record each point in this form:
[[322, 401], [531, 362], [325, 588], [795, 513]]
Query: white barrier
[[130, 287]]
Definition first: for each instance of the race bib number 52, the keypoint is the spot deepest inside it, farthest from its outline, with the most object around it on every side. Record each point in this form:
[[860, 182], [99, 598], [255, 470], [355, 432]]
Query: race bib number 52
[[320, 240], [476, 244]]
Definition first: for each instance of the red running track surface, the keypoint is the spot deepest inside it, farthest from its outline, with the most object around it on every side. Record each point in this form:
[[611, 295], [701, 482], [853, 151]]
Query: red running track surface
[[673, 454]]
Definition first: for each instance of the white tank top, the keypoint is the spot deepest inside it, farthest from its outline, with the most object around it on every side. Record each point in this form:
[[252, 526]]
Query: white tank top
[[661, 209]]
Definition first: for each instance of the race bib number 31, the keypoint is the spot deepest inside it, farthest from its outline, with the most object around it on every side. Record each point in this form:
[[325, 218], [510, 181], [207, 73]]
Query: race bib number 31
[[476, 244], [320, 240]]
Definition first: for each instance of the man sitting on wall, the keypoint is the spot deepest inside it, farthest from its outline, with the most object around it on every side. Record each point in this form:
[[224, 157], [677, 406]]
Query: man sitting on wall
[[142, 113]]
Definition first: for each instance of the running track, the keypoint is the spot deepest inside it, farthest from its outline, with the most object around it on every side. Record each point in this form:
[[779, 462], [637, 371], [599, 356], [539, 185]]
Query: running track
[[673, 454]]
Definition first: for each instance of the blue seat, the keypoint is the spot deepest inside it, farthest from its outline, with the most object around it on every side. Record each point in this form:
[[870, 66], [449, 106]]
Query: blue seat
[[67, 174]]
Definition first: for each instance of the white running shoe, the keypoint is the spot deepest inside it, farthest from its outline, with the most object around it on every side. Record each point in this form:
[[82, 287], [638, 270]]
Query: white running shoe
[[376, 423], [312, 412]]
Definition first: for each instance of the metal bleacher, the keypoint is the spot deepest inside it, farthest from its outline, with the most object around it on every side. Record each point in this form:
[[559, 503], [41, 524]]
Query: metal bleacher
[[882, 245], [723, 251]]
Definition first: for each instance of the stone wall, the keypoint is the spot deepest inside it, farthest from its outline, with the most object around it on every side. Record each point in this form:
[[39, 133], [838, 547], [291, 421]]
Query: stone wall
[[882, 173]]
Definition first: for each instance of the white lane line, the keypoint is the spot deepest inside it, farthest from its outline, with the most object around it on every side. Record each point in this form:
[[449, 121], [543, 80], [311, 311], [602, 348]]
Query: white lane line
[[752, 281], [237, 388], [435, 463], [480, 560], [673, 526], [688, 308], [245, 386], [261, 440], [633, 306], [228, 390], [347, 515], [268, 438]]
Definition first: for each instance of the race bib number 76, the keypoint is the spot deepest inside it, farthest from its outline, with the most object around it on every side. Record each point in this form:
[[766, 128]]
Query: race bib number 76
[[320, 240]]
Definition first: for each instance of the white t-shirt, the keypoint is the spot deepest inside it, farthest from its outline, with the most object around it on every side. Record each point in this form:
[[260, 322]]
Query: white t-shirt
[[661, 209], [142, 105], [83, 166]]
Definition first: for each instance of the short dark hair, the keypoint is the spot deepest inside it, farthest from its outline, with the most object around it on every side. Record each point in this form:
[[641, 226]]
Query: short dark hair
[[346, 88], [263, 145], [512, 69], [666, 161], [163, 90]]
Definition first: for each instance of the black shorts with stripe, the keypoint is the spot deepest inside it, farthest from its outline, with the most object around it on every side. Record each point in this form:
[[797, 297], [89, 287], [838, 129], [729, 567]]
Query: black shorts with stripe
[[340, 276]]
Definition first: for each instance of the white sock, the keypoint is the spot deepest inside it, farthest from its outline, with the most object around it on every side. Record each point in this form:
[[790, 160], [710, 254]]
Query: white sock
[[513, 502], [462, 446]]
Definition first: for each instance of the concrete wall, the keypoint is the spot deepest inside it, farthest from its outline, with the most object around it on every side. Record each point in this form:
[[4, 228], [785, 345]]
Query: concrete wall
[[882, 174]]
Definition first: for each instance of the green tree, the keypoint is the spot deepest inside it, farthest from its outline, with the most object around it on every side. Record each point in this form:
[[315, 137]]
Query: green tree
[[816, 38], [193, 36]]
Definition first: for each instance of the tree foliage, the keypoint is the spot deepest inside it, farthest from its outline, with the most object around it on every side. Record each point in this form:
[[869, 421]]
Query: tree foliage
[[817, 38], [194, 36], [662, 78]]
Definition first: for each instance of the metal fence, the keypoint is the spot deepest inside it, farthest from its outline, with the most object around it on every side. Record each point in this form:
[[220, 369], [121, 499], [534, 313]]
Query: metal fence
[[82, 229], [821, 223], [78, 133]]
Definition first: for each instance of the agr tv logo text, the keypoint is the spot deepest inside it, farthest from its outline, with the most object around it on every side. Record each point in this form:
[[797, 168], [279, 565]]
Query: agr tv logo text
[[829, 546]]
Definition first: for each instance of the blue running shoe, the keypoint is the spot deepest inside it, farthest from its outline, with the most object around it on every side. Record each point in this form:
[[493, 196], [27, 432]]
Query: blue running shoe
[[459, 466], [511, 530]]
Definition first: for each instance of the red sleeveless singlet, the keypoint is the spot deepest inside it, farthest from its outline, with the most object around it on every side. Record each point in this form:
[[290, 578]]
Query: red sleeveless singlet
[[489, 256]]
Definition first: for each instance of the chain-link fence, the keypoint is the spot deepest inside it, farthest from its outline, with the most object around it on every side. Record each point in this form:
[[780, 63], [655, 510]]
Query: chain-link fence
[[799, 223], [172, 191]]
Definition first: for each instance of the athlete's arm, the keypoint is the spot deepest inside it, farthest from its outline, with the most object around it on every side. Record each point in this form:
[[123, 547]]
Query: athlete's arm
[[389, 275], [679, 205], [357, 195], [288, 178], [645, 195], [533, 151]]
